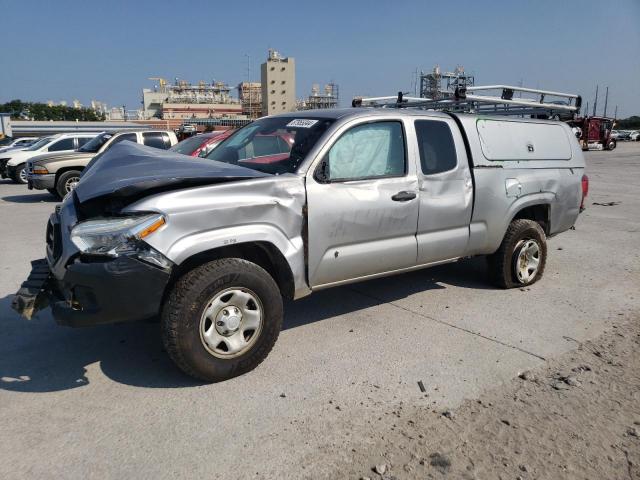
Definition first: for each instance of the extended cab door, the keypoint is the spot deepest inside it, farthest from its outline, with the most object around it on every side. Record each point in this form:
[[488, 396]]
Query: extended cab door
[[362, 204], [446, 191]]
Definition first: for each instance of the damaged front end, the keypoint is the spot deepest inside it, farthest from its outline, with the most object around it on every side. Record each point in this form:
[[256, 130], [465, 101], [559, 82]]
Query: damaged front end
[[97, 271], [99, 266]]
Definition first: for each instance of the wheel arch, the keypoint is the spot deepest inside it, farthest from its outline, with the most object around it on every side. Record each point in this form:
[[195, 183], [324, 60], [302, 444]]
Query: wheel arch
[[263, 253], [539, 212], [62, 170]]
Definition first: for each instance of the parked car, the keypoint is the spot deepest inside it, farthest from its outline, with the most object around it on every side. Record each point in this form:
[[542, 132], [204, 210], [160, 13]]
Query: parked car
[[623, 135], [18, 143], [60, 172], [213, 247], [13, 164], [201, 145], [634, 135]]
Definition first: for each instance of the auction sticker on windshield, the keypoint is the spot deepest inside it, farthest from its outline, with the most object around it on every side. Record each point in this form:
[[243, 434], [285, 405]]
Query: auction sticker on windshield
[[302, 123]]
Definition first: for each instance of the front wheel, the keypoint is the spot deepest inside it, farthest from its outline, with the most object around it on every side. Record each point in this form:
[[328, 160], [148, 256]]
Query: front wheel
[[222, 319], [66, 182], [522, 255], [21, 174]]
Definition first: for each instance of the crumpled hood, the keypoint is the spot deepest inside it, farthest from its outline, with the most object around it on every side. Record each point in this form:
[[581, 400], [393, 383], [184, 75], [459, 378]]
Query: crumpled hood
[[128, 170]]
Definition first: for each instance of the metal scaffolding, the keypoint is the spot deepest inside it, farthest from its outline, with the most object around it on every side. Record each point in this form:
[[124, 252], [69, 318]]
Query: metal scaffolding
[[437, 85], [330, 98]]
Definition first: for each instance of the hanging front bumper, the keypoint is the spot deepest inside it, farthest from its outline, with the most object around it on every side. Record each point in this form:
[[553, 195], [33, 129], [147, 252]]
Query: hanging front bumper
[[34, 292]]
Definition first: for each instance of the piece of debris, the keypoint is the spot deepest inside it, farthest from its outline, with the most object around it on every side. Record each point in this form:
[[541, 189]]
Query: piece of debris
[[581, 369], [421, 386], [559, 385], [633, 432], [607, 204], [283, 395], [365, 478], [571, 381], [380, 469], [523, 468], [448, 413], [506, 422], [439, 461], [560, 248], [529, 376]]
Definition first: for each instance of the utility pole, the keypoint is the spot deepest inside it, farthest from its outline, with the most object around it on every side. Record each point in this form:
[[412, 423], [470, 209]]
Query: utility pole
[[595, 102], [249, 86], [586, 110], [606, 99], [615, 115]]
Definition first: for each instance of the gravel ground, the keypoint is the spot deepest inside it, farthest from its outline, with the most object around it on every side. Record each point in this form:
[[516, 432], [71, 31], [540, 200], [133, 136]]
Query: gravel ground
[[576, 417], [106, 402]]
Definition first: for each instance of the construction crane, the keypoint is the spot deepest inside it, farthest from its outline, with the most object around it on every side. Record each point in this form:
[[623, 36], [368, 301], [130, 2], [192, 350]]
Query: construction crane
[[162, 83]]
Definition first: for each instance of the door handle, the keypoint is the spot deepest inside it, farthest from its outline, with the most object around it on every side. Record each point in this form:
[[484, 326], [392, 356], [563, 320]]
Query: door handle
[[403, 196]]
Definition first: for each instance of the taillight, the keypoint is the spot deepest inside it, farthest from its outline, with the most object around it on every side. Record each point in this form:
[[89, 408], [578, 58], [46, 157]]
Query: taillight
[[585, 190]]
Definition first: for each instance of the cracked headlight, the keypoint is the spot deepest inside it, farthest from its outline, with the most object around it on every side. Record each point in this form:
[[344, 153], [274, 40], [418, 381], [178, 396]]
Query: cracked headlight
[[118, 236]]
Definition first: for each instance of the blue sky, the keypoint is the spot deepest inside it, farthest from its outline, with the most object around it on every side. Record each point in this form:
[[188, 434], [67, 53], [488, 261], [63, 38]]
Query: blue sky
[[106, 50]]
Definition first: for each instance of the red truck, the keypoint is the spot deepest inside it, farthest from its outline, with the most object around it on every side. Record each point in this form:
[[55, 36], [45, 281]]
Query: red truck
[[594, 133]]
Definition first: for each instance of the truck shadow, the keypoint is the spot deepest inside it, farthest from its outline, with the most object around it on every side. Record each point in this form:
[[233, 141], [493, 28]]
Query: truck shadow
[[31, 198], [40, 356]]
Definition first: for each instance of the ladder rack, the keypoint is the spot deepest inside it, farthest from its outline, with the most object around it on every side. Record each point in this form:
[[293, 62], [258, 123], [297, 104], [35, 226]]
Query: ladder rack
[[472, 100]]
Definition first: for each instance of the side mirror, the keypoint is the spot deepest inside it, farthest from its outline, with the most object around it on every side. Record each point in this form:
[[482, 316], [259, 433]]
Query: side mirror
[[322, 172]]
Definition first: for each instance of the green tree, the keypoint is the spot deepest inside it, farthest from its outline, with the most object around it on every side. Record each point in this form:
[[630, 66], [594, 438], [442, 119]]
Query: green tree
[[41, 111]]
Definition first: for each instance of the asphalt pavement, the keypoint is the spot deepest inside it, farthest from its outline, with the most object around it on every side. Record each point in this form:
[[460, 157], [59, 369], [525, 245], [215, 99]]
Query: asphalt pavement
[[106, 402]]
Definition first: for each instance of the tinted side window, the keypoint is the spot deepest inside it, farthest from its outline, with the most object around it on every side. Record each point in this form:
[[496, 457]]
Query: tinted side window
[[156, 140], [82, 141], [64, 144], [372, 150], [435, 143], [127, 136]]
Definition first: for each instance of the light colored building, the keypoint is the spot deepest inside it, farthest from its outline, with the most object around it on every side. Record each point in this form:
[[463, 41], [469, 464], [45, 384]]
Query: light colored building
[[329, 98], [278, 76], [250, 95], [182, 100]]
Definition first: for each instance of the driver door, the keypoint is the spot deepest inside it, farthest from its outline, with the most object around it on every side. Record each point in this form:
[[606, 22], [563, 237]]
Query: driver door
[[362, 205]]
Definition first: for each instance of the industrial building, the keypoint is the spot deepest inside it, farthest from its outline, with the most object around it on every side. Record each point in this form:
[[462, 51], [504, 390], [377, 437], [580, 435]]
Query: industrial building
[[329, 98], [250, 95], [278, 78], [182, 100], [437, 85]]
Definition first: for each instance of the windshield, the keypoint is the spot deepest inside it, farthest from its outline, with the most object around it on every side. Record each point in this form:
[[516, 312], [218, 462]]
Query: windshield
[[5, 141], [188, 145], [93, 145], [273, 145], [40, 143]]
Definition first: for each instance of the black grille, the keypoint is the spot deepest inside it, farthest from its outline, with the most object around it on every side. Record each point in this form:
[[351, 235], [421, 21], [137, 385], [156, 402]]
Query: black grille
[[54, 239]]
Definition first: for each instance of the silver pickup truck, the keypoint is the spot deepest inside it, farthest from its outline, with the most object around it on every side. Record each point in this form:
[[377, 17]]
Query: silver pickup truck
[[295, 203]]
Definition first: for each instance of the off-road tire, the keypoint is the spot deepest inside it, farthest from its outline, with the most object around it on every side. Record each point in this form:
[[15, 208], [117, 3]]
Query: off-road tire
[[185, 304], [18, 177], [502, 263], [62, 180]]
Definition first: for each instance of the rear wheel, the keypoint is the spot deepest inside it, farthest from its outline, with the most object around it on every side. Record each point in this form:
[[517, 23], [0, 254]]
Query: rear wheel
[[222, 319], [66, 182], [522, 256]]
